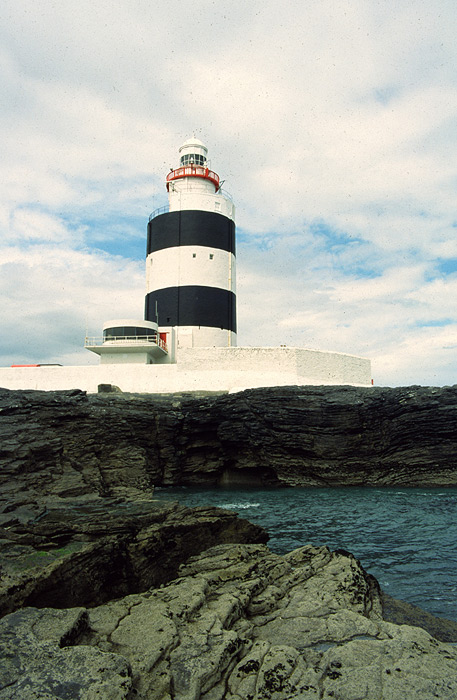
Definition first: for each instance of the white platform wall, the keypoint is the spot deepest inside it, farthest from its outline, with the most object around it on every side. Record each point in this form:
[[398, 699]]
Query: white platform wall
[[202, 369]]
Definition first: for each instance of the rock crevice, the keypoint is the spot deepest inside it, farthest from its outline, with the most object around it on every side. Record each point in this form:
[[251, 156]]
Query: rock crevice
[[77, 553]]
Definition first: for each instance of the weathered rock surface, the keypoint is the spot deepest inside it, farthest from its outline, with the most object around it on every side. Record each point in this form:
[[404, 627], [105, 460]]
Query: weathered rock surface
[[71, 553], [67, 443], [239, 623], [39, 662]]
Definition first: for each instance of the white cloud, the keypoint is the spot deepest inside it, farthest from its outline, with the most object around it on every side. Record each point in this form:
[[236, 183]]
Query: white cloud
[[29, 225], [51, 295]]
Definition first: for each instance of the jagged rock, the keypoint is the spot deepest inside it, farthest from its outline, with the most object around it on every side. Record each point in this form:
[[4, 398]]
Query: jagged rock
[[68, 444], [84, 553], [240, 623]]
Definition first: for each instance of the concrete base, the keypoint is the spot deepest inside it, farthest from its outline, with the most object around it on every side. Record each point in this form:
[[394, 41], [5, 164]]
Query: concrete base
[[202, 369]]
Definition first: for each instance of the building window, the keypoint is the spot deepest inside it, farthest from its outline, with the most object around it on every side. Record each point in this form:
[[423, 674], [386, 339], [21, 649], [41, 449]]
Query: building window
[[211, 256], [127, 332], [194, 255]]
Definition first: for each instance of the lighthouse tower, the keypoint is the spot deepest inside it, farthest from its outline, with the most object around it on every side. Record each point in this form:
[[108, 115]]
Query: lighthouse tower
[[190, 264]]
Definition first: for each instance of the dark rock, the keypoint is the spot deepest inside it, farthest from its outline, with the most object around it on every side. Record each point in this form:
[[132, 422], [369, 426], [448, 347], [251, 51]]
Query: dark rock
[[108, 389], [67, 443], [86, 547]]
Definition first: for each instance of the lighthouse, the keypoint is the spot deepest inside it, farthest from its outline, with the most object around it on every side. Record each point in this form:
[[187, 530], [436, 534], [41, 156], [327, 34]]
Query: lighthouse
[[187, 340], [190, 261]]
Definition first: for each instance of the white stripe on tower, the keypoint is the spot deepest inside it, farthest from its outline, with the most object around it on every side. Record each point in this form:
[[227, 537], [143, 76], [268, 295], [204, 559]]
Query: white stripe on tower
[[189, 265]]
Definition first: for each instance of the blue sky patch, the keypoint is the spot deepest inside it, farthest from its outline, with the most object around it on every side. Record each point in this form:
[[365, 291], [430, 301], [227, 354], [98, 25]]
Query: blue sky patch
[[438, 323], [447, 267]]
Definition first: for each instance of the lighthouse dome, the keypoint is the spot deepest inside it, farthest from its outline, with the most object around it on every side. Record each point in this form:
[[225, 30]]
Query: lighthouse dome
[[193, 152]]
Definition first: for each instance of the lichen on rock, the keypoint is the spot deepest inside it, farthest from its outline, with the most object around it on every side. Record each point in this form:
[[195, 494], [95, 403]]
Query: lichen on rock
[[217, 633]]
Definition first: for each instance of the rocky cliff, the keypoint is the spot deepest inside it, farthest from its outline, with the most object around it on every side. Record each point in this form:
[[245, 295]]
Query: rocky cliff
[[300, 436]]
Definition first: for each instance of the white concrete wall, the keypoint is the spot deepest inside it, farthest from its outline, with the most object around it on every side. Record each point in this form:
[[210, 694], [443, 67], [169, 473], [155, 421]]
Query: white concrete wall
[[276, 360], [316, 365], [138, 323], [204, 337], [206, 369], [124, 358]]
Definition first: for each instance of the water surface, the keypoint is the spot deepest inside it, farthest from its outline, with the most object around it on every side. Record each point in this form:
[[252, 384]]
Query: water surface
[[406, 538]]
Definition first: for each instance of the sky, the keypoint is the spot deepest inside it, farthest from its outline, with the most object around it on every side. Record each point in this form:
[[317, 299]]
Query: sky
[[332, 123]]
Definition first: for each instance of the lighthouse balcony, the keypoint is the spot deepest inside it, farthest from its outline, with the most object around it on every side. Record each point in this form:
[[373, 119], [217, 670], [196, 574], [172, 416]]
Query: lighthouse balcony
[[160, 210], [193, 171], [134, 341], [145, 350]]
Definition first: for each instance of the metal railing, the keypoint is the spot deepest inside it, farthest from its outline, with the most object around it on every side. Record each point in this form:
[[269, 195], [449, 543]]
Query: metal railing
[[160, 210], [95, 341], [193, 171]]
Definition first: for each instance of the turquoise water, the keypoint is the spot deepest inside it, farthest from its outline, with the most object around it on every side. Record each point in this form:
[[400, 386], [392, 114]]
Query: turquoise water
[[406, 538]]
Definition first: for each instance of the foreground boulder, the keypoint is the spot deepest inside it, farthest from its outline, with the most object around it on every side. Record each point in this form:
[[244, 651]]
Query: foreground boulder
[[68, 444], [239, 623]]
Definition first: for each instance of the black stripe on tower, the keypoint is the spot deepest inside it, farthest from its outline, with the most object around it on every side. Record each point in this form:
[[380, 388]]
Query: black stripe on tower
[[180, 228], [192, 305]]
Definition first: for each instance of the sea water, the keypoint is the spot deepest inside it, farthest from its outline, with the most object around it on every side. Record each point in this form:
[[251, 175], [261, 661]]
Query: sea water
[[405, 537]]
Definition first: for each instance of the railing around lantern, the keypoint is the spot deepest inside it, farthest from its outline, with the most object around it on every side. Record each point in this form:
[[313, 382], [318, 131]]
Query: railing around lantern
[[193, 171], [95, 341]]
